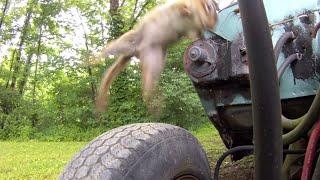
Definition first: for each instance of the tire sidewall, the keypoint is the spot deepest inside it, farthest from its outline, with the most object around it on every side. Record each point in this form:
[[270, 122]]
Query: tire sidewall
[[171, 158]]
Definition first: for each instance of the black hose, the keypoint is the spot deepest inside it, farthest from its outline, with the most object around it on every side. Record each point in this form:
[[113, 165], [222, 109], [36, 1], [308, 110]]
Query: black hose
[[280, 43], [248, 148], [287, 62], [226, 154]]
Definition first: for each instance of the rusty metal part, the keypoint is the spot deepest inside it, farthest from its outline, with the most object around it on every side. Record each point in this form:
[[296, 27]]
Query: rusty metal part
[[287, 36], [197, 54], [239, 58], [315, 30], [225, 91], [199, 60], [216, 59], [305, 68], [187, 177], [291, 19]]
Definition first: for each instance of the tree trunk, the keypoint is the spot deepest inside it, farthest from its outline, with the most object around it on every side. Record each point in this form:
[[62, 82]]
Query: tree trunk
[[114, 5], [102, 31], [135, 18], [11, 66], [37, 63], [25, 74], [34, 115], [4, 12], [93, 87], [23, 36], [116, 20], [1, 67]]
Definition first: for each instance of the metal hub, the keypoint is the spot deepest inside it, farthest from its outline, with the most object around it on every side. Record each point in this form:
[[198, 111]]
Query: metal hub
[[187, 177], [199, 59]]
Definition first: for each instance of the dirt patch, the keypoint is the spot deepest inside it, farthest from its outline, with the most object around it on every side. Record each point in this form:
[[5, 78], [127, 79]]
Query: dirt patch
[[239, 170]]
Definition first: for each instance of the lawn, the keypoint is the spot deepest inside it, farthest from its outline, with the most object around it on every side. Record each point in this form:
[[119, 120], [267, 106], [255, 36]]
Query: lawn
[[45, 160]]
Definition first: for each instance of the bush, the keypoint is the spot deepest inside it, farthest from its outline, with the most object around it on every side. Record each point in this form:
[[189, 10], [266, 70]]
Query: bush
[[63, 109]]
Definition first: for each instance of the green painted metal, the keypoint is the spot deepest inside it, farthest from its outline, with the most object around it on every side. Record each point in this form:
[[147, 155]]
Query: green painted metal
[[229, 27]]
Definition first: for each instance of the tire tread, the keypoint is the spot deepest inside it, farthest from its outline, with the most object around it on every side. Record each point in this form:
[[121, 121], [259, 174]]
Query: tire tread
[[114, 152]]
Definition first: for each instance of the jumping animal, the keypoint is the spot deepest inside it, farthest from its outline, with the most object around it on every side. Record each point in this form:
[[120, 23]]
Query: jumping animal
[[149, 39]]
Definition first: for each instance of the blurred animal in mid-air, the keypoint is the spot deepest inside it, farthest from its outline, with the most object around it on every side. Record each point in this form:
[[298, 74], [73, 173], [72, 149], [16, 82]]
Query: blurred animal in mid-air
[[148, 41]]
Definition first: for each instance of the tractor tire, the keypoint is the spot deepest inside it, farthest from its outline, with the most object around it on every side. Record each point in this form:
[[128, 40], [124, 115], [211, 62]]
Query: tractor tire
[[148, 151]]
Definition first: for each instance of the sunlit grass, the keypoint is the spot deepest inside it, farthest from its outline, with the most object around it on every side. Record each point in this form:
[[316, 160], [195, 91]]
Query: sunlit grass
[[211, 142], [45, 160], [35, 160]]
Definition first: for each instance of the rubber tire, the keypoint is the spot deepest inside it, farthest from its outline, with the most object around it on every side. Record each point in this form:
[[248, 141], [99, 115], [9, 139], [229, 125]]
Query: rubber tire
[[148, 151]]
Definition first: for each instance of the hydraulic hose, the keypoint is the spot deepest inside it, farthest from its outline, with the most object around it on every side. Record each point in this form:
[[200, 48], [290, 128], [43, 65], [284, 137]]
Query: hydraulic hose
[[311, 152], [291, 159], [306, 124], [287, 123], [303, 124], [287, 62], [290, 124], [249, 148], [280, 43]]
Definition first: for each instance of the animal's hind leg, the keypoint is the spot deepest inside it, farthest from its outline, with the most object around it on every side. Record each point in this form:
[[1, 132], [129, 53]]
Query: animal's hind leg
[[113, 71], [152, 59]]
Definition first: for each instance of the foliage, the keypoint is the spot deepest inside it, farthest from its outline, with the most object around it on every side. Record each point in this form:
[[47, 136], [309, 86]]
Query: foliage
[[46, 91]]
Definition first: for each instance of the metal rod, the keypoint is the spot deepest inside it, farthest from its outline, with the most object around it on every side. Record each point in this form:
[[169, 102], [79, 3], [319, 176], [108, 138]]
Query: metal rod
[[264, 91], [280, 43]]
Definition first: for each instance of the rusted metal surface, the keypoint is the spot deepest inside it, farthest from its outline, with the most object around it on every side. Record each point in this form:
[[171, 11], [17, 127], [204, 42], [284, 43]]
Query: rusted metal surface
[[239, 58], [220, 71], [221, 60], [304, 68], [200, 61]]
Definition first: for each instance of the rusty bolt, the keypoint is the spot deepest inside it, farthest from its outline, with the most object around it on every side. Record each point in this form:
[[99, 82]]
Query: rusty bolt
[[197, 54]]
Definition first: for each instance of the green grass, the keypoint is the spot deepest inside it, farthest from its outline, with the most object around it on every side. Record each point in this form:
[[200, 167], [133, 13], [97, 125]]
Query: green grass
[[211, 142], [35, 160], [45, 160]]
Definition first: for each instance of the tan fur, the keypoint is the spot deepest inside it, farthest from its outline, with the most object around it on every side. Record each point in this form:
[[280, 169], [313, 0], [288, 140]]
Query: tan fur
[[148, 41]]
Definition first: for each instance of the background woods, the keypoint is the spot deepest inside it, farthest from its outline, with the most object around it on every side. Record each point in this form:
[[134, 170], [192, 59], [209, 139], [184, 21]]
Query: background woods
[[45, 91]]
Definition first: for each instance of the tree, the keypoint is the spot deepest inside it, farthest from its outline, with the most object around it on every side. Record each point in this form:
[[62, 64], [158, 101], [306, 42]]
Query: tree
[[4, 12], [23, 37]]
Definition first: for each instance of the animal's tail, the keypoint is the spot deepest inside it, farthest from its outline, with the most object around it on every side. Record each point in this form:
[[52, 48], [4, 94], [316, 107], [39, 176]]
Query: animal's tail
[[124, 45], [113, 71]]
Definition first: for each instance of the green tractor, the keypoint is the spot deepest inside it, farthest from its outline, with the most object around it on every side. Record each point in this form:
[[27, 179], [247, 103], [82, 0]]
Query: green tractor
[[271, 111]]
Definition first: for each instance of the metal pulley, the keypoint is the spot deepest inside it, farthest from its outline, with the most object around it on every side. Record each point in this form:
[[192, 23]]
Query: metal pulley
[[199, 60]]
